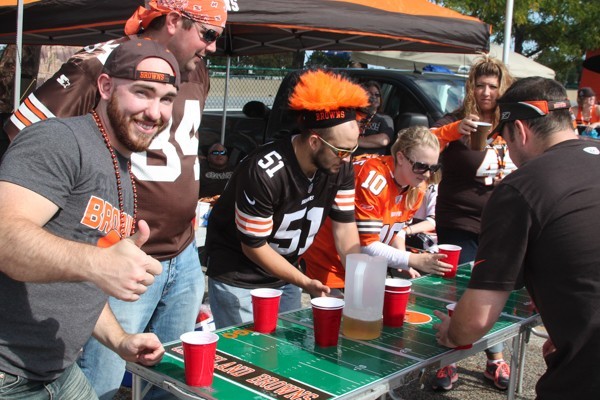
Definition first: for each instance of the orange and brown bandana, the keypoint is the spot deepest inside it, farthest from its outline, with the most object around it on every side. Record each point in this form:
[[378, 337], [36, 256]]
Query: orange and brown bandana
[[211, 12]]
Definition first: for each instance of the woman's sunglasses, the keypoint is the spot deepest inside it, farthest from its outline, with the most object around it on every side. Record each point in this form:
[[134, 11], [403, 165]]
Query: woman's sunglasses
[[420, 168]]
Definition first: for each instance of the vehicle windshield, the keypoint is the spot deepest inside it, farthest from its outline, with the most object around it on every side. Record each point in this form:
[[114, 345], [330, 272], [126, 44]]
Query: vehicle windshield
[[447, 93]]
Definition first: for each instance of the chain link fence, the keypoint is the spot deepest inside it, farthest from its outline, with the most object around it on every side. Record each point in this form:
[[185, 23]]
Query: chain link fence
[[245, 84]]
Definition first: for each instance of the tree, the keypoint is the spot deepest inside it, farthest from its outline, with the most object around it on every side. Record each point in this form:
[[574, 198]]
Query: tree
[[556, 32], [277, 60], [328, 59]]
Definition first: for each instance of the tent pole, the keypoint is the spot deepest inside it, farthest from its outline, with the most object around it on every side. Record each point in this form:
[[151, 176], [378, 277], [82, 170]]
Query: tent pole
[[507, 31], [224, 121], [18, 58]]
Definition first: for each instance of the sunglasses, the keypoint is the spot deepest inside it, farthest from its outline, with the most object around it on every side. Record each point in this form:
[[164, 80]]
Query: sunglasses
[[341, 153], [219, 152], [209, 35], [420, 168]]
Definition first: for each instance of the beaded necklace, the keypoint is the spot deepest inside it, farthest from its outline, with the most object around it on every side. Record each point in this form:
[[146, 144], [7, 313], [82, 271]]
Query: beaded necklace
[[118, 176]]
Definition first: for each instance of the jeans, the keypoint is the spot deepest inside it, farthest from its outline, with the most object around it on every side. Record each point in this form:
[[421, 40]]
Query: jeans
[[232, 305], [70, 385], [169, 308], [469, 242]]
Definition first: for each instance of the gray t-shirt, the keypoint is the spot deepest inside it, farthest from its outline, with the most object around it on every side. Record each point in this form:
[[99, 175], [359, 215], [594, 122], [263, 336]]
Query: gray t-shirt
[[44, 326]]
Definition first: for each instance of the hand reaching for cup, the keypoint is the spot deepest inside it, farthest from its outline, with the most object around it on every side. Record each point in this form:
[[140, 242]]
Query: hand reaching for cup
[[126, 271], [316, 288], [430, 263]]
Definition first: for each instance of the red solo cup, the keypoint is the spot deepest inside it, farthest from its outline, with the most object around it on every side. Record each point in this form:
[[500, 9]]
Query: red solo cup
[[265, 307], [450, 308], [397, 284], [394, 307], [453, 253], [199, 349], [327, 318]]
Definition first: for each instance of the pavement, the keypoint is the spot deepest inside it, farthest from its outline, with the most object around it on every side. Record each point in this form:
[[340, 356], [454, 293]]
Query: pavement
[[471, 384]]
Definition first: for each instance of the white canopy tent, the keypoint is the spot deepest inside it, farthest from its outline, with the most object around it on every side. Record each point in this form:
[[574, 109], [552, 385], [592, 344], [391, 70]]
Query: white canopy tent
[[519, 65]]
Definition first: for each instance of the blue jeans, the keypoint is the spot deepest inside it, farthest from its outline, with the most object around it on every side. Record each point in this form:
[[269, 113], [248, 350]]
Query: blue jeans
[[232, 305], [469, 242], [70, 385], [169, 308]]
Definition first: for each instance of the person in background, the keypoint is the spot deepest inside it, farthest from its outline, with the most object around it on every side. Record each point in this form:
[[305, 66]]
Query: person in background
[[167, 174], [389, 190], [215, 171], [278, 198], [376, 129], [587, 113], [67, 220], [469, 179], [538, 232]]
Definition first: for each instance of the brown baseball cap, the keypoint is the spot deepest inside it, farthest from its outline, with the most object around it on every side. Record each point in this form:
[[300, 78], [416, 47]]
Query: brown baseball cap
[[585, 92], [124, 59]]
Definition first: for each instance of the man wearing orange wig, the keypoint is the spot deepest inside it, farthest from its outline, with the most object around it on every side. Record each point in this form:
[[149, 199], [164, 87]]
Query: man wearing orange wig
[[167, 174], [278, 197]]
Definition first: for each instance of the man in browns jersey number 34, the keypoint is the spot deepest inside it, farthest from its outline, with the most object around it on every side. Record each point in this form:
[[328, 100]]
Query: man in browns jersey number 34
[[278, 197]]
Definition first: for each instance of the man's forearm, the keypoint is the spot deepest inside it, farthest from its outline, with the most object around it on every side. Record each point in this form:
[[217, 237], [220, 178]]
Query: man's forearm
[[108, 331], [276, 265], [31, 254], [475, 314]]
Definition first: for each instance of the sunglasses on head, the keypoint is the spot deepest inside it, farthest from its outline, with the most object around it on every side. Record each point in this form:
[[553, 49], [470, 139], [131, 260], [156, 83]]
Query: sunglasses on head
[[420, 168], [219, 152], [341, 153]]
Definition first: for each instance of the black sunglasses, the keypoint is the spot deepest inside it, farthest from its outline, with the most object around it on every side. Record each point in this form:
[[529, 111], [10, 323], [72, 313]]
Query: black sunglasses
[[219, 152], [420, 168], [209, 35]]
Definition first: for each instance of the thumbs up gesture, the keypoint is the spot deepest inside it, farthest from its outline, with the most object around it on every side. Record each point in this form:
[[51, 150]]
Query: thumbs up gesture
[[125, 271]]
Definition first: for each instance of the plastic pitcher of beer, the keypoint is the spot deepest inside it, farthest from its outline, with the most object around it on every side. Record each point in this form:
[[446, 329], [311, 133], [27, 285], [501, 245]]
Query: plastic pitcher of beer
[[363, 296]]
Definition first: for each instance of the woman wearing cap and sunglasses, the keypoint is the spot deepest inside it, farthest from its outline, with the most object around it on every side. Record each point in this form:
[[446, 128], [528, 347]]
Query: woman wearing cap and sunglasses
[[587, 113], [388, 192], [469, 178]]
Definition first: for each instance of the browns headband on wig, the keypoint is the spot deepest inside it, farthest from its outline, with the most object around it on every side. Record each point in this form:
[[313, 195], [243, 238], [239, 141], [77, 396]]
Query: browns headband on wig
[[326, 99], [211, 12]]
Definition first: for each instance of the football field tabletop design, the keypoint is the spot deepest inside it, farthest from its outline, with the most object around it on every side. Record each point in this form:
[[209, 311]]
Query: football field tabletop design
[[286, 364]]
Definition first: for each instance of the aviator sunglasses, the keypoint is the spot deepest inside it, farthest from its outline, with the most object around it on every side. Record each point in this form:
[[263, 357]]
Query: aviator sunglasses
[[420, 168], [341, 153], [209, 35], [219, 152]]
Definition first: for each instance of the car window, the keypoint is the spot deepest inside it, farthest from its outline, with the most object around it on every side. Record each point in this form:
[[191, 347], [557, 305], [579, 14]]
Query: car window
[[446, 93]]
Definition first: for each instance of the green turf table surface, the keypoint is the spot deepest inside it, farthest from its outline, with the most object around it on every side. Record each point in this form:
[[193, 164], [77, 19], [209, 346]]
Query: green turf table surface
[[287, 364]]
